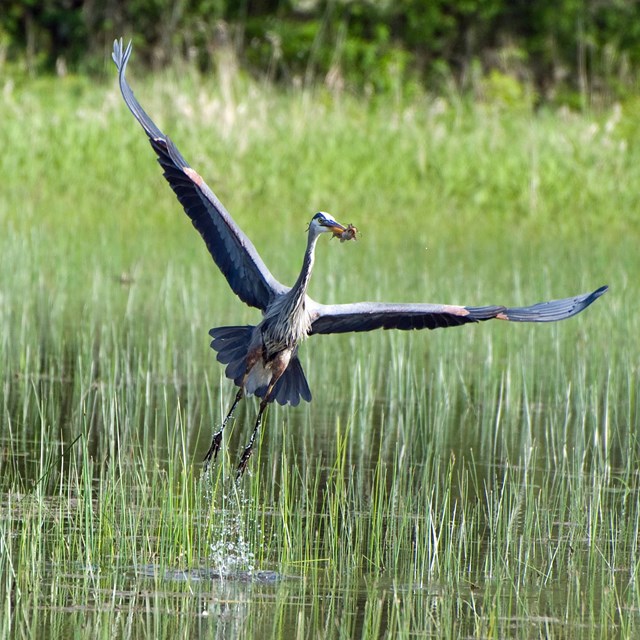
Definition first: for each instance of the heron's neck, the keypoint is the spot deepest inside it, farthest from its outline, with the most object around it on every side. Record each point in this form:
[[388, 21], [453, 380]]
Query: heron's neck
[[287, 319], [299, 289]]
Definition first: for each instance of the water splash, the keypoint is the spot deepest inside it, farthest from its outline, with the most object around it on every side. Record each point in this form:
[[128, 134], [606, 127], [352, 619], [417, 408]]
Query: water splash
[[231, 552]]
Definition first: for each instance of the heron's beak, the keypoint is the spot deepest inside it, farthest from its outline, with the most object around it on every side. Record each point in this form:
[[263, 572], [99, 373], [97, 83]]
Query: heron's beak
[[337, 229]]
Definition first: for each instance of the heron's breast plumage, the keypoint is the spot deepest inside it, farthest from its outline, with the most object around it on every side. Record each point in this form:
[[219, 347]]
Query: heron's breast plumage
[[286, 324]]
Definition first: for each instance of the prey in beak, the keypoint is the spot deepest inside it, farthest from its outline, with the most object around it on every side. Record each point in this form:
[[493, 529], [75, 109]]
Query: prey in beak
[[349, 233]]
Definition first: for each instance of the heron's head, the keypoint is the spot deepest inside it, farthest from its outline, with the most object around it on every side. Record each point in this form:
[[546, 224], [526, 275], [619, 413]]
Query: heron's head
[[323, 223]]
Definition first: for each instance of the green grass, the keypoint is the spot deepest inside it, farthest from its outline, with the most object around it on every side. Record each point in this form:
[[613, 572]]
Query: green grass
[[477, 482]]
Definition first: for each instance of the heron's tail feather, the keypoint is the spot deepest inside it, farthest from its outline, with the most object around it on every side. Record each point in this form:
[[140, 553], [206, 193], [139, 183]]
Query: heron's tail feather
[[292, 385], [232, 345]]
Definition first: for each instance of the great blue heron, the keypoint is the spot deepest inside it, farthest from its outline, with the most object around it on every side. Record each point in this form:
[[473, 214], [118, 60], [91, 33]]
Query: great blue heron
[[263, 359]]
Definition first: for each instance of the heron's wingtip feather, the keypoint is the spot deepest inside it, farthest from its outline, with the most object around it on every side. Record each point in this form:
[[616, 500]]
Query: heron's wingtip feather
[[554, 310]]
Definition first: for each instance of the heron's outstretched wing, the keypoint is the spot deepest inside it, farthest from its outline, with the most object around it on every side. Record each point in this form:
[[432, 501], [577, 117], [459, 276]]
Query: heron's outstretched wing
[[366, 316], [231, 249]]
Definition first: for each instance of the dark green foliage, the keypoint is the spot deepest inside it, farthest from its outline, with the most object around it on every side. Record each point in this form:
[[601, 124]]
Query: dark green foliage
[[555, 47], [43, 30]]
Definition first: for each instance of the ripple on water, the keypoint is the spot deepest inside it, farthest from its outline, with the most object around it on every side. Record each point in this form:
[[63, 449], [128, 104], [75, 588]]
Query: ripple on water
[[204, 574]]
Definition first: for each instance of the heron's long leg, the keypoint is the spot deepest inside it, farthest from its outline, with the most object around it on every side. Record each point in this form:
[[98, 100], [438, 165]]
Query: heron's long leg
[[248, 450], [217, 436]]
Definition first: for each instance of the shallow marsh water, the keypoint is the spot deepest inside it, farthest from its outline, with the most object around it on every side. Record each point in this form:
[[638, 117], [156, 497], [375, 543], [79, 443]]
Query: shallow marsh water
[[387, 539]]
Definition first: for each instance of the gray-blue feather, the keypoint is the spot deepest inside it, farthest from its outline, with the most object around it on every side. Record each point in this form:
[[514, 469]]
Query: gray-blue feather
[[232, 345], [231, 249]]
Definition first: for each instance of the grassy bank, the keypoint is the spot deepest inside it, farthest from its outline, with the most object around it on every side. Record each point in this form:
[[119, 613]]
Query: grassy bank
[[480, 481]]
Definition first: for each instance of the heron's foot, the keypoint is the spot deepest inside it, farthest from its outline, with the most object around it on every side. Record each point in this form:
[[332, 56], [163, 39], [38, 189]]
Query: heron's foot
[[244, 460], [216, 445]]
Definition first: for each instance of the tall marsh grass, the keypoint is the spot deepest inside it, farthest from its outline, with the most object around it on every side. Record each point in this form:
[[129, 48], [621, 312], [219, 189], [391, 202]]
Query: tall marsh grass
[[477, 482]]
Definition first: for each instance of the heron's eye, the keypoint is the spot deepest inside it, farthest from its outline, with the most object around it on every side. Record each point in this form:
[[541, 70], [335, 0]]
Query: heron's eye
[[323, 219]]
